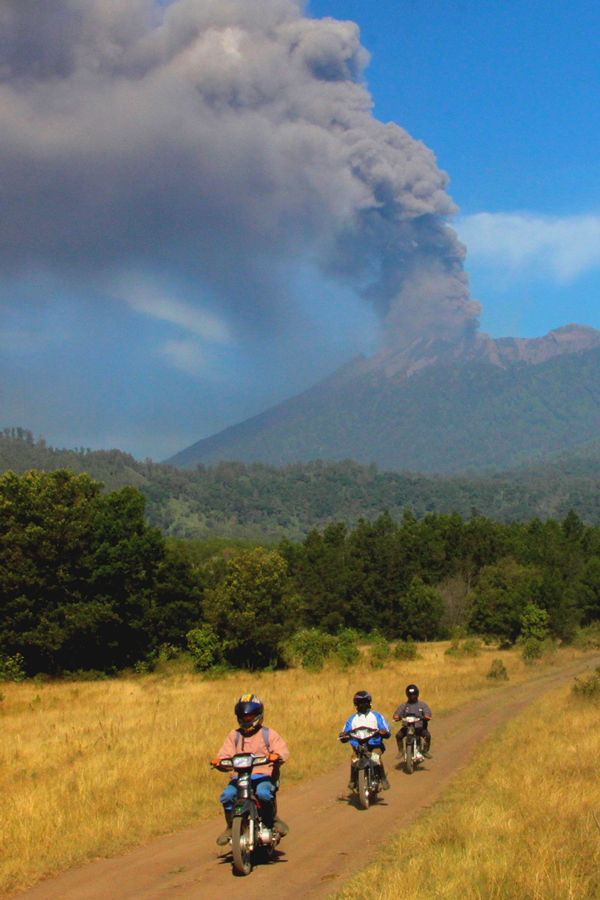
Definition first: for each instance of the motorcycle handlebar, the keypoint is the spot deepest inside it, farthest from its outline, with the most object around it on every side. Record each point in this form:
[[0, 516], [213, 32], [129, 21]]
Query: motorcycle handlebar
[[227, 761]]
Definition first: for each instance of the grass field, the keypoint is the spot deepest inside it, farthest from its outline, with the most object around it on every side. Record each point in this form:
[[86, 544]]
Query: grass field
[[91, 768]]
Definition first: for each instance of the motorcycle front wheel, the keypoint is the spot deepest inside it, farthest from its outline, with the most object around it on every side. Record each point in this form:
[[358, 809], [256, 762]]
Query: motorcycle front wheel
[[363, 789], [240, 845], [409, 764]]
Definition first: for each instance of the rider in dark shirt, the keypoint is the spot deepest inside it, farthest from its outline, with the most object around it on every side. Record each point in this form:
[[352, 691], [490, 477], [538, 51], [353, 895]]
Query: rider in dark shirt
[[414, 707]]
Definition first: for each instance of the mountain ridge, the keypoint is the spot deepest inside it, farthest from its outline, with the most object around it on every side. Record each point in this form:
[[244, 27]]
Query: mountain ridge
[[481, 404]]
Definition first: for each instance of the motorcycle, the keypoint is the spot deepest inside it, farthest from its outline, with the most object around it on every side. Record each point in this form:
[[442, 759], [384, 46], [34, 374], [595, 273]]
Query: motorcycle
[[366, 765], [248, 831], [412, 744]]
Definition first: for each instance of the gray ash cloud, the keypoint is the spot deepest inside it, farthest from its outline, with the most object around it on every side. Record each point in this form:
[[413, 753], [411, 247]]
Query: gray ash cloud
[[227, 141]]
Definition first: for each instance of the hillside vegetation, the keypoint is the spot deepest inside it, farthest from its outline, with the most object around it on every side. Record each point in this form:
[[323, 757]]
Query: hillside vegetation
[[263, 502]]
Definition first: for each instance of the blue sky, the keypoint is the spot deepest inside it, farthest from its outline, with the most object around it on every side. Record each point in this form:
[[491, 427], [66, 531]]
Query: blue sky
[[194, 231]]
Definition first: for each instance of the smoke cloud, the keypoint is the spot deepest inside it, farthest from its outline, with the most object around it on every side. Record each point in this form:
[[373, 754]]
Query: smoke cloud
[[227, 141]]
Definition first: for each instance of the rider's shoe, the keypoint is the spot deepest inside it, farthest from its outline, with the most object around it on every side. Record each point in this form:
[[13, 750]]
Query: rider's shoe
[[224, 837], [426, 754], [280, 827], [385, 783], [351, 785]]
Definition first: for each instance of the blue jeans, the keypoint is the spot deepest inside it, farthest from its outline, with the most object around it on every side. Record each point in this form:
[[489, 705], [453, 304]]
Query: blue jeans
[[262, 784]]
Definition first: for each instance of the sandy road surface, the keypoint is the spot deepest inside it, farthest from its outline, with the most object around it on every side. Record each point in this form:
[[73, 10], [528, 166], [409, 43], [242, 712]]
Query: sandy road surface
[[330, 837]]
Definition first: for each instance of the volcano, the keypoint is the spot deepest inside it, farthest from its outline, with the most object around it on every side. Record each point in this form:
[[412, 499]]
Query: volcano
[[476, 405]]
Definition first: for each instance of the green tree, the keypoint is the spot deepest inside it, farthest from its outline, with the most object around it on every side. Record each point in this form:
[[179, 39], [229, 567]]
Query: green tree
[[77, 572], [420, 611], [589, 591], [251, 610], [534, 623], [499, 597]]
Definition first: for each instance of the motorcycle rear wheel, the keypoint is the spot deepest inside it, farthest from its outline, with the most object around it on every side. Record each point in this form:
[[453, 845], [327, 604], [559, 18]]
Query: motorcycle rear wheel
[[242, 855], [363, 789]]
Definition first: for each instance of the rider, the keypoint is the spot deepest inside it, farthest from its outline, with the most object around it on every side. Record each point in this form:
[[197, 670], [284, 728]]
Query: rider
[[414, 707], [365, 716], [252, 737]]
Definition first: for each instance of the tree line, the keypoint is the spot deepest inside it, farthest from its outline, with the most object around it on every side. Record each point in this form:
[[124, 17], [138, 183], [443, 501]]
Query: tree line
[[87, 584]]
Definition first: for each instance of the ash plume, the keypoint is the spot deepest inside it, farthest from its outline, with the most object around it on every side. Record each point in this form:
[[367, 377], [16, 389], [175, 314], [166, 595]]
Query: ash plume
[[227, 141]]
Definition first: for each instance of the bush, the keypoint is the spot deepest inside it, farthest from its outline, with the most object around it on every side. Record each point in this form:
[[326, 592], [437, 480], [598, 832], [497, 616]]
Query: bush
[[498, 671], [588, 687], [534, 623], [468, 647], [405, 650], [205, 647], [589, 637], [347, 653], [532, 649], [379, 652], [311, 648], [308, 648], [12, 668]]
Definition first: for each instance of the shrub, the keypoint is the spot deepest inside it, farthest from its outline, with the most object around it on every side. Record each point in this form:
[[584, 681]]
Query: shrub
[[12, 668], [308, 648], [498, 671], [379, 652], [468, 647], [204, 646], [534, 623], [532, 649], [347, 652], [405, 650], [589, 637], [588, 687]]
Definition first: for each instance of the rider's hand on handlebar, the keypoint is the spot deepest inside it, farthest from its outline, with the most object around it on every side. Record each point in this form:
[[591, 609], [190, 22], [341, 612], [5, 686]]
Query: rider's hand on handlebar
[[273, 757], [216, 762]]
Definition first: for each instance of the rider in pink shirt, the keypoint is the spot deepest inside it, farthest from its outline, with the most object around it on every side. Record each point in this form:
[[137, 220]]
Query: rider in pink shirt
[[252, 737]]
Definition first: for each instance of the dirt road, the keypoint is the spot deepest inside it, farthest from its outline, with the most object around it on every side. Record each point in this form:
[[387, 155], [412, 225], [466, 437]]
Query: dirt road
[[330, 837]]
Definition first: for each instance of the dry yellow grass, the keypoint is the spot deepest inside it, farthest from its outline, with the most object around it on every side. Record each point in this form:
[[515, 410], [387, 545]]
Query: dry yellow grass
[[521, 823], [91, 768]]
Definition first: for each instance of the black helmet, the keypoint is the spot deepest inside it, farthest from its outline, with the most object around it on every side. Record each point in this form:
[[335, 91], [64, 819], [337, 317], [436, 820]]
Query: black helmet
[[362, 701], [412, 693], [249, 711]]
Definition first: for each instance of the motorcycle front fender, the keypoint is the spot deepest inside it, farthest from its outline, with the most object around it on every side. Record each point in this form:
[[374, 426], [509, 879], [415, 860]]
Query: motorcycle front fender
[[245, 807]]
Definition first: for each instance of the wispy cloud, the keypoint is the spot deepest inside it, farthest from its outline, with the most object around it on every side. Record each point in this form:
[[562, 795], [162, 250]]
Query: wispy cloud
[[151, 300], [563, 248]]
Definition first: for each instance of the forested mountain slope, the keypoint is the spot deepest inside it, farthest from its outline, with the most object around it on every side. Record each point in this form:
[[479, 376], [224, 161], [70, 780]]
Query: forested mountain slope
[[263, 501], [487, 406]]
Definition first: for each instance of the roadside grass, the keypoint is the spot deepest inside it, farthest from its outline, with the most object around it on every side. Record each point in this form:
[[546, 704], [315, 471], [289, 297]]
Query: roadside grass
[[522, 821], [89, 769]]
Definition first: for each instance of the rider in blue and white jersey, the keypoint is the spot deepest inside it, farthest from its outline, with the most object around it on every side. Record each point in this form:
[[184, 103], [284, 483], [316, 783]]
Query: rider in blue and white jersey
[[369, 718]]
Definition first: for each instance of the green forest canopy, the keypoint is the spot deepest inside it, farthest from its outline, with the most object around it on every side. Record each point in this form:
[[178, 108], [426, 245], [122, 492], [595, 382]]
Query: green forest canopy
[[86, 583]]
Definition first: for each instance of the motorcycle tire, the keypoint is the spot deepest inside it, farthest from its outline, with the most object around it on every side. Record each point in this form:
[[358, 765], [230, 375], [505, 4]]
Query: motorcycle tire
[[242, 855], [363, 789], [409, 762]]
